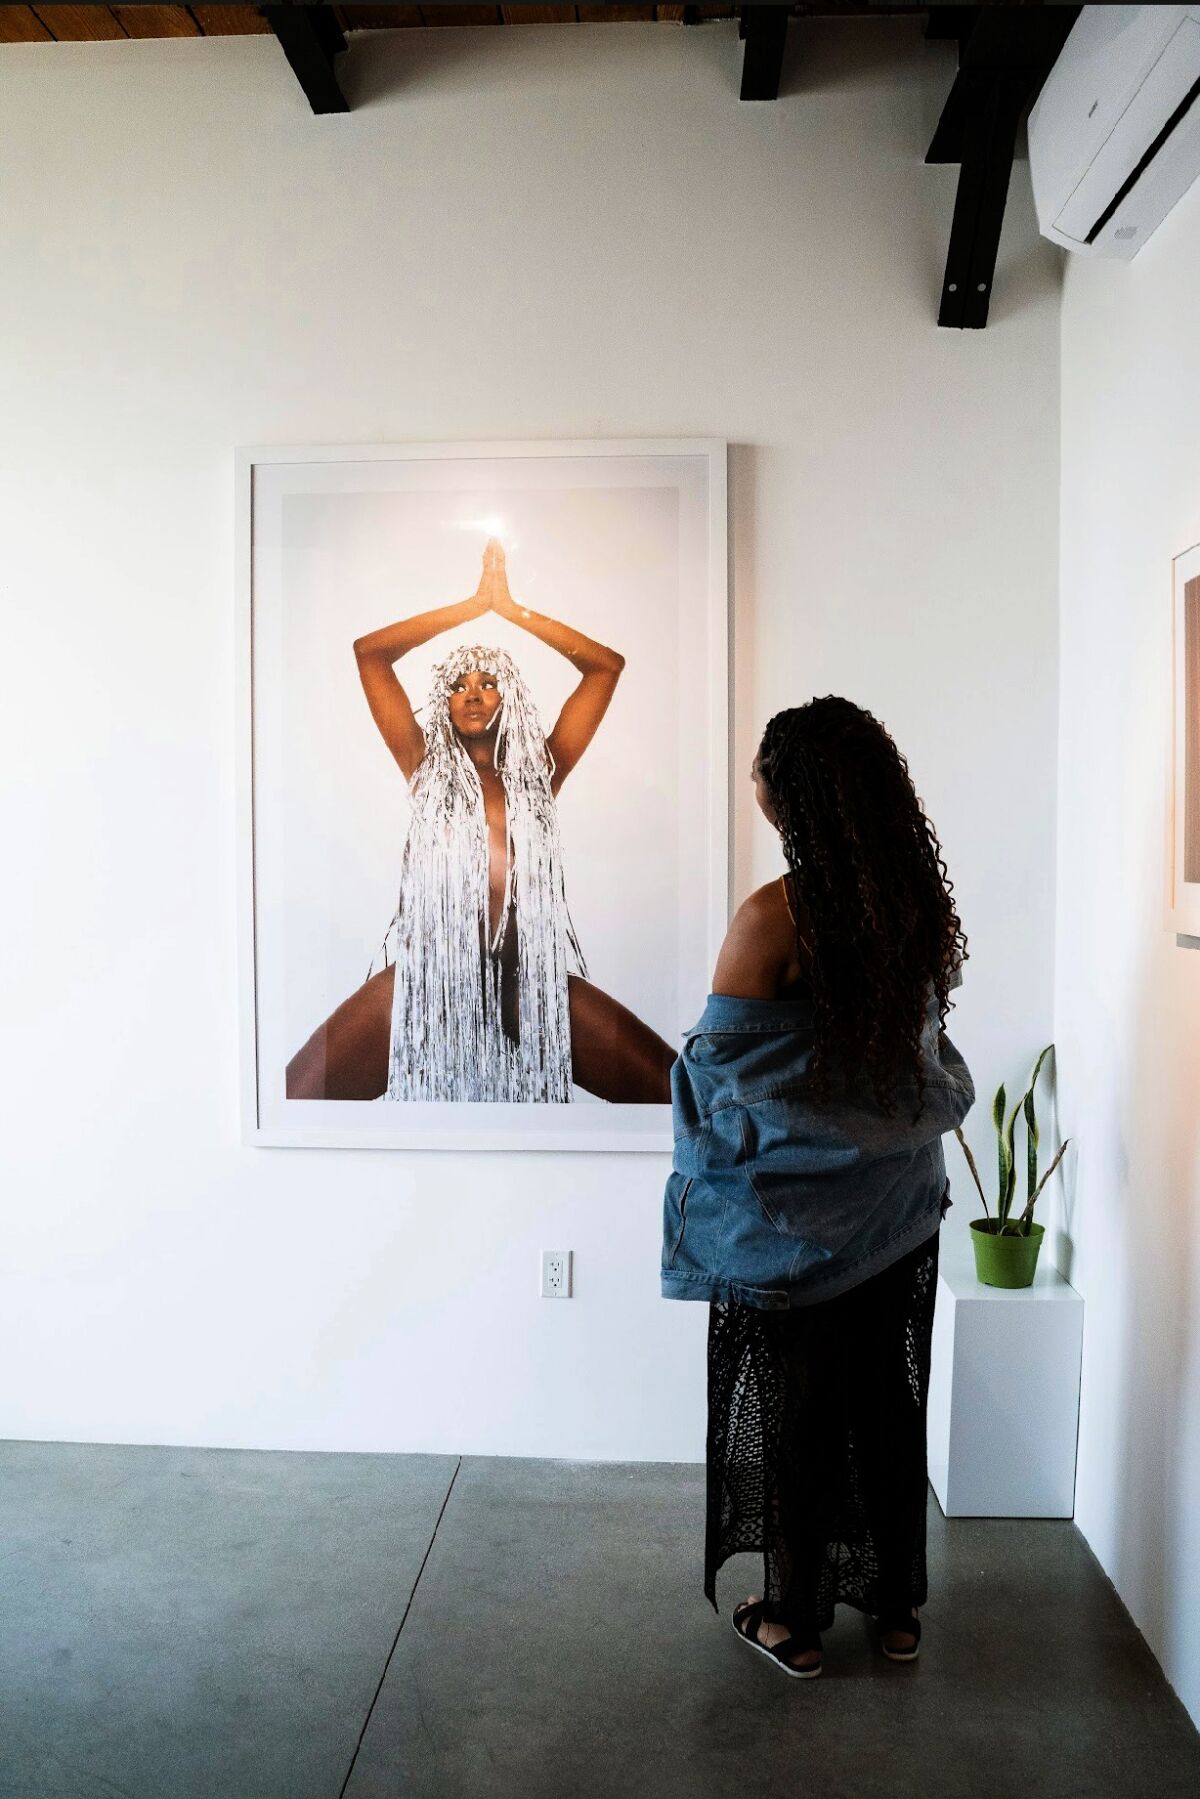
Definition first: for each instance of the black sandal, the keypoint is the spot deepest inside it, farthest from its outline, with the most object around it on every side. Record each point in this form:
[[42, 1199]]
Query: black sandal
[[751, 1614], [888, 1621]]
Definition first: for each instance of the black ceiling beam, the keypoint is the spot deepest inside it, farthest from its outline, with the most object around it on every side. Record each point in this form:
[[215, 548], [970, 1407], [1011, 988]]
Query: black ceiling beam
[[311, 37], [764, 29], [1005, 54], [946, 22], [989, 138], [995, 40]]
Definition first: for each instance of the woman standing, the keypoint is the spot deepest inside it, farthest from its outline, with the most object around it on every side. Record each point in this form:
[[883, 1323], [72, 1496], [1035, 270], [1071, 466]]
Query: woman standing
[[809, 1186]]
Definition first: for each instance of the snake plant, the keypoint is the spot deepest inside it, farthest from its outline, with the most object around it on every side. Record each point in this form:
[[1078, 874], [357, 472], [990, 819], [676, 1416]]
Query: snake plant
[[1003, 1225]]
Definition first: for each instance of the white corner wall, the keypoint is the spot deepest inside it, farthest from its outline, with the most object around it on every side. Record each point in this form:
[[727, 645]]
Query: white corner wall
[[531, 233], [1128, 999]]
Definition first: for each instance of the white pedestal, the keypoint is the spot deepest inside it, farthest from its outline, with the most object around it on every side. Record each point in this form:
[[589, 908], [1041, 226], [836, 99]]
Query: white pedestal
[[1003, 1390]]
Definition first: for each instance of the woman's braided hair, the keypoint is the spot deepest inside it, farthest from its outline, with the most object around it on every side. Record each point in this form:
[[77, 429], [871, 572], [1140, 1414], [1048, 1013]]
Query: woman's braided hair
[[868, 869]]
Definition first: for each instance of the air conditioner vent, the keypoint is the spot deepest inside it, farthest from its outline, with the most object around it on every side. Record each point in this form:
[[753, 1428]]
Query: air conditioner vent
[[1114, 139]]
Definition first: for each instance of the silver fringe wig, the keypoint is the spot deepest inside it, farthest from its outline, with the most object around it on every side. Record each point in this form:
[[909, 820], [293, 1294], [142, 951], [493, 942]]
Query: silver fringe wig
[[447, 1040]]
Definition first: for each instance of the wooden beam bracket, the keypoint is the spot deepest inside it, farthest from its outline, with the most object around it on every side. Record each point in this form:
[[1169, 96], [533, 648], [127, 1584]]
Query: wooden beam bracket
[[1005, 55], [764, 30], [993, 112], [945, 22], [311, 37]]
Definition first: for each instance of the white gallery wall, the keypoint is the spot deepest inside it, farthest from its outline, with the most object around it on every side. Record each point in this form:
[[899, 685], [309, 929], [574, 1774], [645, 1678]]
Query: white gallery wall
[[515, 233], [1128, 998]]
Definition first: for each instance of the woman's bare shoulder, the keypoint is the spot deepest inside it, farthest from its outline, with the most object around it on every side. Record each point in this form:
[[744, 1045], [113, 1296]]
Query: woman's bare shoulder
[[759, 946], [766, 905]]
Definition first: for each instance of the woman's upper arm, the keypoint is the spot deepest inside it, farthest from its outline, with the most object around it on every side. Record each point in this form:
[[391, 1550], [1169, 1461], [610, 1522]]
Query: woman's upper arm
[[579, 721], [392, 712]]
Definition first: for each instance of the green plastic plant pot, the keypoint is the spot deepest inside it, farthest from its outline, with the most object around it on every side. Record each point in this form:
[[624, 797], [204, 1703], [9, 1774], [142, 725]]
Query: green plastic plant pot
[[1005, 1261]]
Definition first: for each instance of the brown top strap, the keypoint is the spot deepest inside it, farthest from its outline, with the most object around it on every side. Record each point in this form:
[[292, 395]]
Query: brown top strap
[[784, 881]]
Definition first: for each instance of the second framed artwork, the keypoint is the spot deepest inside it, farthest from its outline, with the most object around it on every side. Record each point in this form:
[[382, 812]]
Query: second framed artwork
[[1184, 874], [484, 752]]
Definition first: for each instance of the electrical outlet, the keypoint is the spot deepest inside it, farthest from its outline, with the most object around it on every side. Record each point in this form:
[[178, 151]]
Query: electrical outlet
[[556, 1274]]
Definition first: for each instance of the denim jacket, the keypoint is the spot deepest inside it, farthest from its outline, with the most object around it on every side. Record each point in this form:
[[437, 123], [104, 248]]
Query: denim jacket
[[775, 1200]]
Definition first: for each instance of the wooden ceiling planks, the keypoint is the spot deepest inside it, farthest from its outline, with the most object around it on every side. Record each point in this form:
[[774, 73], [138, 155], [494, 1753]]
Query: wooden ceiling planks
[[377, 18], [156, 21], [40, 24], [21, 25], [614, 15], [228, 21], [460, 15], [538, 15], [80, 24]]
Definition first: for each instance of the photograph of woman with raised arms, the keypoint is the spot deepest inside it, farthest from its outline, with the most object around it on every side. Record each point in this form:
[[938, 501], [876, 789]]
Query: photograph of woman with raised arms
[[484, 994]]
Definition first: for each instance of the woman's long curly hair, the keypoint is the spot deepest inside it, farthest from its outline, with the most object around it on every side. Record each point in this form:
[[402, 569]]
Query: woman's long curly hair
[[868, 870]]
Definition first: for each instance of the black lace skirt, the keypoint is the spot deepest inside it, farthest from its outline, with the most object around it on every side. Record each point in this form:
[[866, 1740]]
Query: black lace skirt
[[816, 1444]]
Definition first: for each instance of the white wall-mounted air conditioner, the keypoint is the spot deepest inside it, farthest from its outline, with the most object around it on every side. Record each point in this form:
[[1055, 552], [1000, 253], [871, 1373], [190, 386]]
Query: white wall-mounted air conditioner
[[1114, 138]]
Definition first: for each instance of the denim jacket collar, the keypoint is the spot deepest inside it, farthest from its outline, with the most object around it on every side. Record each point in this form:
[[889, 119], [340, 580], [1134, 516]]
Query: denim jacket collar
[[729, 1012]]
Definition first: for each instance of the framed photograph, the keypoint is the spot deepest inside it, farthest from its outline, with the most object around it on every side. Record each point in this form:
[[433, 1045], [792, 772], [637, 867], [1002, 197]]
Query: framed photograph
[[1185, 781], [483, 717]]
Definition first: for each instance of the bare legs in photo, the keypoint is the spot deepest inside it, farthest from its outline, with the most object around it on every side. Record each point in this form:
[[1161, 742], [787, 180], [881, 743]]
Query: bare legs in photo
[[614, 1055]]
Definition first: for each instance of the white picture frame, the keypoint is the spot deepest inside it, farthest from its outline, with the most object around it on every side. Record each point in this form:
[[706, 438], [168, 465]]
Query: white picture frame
[[688, 476], [1183, 903]]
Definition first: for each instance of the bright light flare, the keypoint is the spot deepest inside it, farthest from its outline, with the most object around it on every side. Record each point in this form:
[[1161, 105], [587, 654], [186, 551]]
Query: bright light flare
[[492, 526], [488, 527]]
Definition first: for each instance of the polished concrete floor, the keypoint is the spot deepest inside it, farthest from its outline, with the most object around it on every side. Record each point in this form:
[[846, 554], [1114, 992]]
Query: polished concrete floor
[[199, 1624]]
